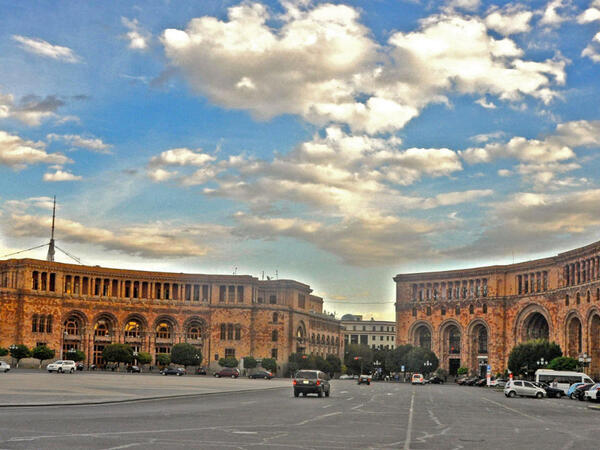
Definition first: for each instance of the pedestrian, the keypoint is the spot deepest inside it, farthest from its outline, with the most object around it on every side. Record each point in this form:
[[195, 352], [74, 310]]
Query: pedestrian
[[555, 383]]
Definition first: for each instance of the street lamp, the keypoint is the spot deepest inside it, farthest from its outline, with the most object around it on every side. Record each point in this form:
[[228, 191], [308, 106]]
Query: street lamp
[[427, 365], [584, 360], [356, 358], [542, 362]]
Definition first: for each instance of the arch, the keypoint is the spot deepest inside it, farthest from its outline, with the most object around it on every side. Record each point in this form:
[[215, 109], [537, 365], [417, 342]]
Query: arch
[[105, 325], [451, 333], [74, 323], [415, 330], [593, 334], [528, 324], [301, 330], [165, 328], [195, 329], [135, 327], [573, 334], [478, 335], [301, 337]]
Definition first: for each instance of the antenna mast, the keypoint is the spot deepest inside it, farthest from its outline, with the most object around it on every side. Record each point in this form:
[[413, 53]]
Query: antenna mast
[[50, 256]]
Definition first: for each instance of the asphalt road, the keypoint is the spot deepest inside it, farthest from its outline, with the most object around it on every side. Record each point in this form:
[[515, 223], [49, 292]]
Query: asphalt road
[[383, 415]]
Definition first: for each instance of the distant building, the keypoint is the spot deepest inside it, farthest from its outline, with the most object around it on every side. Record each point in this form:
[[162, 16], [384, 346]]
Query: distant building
[[67, 306], [377, 334]]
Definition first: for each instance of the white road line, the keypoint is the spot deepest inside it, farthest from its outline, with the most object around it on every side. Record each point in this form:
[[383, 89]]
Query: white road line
[[326, 406], [513, 410], [343, 392], [410, 420], [351, 398], [244, 432], [135, 444], [358, 406], [304, 422]]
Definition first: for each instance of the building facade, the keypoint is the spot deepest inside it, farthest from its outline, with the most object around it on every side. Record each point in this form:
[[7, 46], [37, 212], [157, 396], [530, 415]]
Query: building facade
[[68, 306], [475, 317], [377, 334]]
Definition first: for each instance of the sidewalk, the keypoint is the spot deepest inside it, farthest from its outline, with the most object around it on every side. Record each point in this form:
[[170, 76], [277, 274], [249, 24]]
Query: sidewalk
[[39, 388]]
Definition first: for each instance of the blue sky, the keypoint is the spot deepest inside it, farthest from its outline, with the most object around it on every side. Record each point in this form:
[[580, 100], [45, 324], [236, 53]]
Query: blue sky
[[337, 143]]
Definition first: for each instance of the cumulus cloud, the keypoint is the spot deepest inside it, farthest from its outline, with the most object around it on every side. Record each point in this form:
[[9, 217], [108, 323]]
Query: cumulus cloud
[[323, 64], [19, 153], [591, 14], [31, 109], [75, 140], [61, 175], [592, 50], [485, 104], [509, 20], [42, 48], [138, 37], [555, 13]]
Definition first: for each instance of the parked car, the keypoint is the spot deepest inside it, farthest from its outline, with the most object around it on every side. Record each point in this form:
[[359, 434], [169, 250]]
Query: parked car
[[364, 379], [592, 393], [133, 369], [61, 366], [461, 380], [173, 371], [311, 382], [471, 381], [79, 366], [579, 392], [346, 377], [498, 382], [551, 392], [480, 382], [572, 389], [228, 372], [524, 389], [435, 380], [417, 378], [201, 371], [261, 374], [4, 367]]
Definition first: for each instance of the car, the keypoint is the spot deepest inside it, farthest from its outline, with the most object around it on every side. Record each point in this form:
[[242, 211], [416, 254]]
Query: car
[[523, 388], [173, 371], [435, 380], [133, 369], [228, 372], [471, 381], [346, 377], [79, 366], [572, 388], [4, 367], [460, 380], [417, 378], [498, 382], [311, 382], [480, 382], [551, 392], [579, 392], [261, 374], [201, 371], [364, 379], [61, 366], [592, 393]]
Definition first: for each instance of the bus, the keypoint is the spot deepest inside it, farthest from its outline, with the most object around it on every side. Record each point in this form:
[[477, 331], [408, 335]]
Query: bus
[[564, 378]]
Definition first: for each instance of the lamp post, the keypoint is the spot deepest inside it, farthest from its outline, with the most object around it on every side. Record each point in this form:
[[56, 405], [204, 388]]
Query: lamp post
[[584, 360], [427, 365], [542, 362], [62, 346], [357, 358], [12, 348]]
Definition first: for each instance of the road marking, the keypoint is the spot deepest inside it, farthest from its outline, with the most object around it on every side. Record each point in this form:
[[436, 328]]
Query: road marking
[[351, 398], [513, 410], [304, 422], [326, 406], [410, 420], [358, 406], [244, 432], [343, 392], [135, 444]]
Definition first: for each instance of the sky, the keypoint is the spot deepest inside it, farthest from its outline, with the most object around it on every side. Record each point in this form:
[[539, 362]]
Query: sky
[[336, 143]]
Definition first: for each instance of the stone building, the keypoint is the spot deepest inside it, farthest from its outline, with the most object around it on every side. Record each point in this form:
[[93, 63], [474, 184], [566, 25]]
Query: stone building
[[474, 317], [377, 334], [68, 306]]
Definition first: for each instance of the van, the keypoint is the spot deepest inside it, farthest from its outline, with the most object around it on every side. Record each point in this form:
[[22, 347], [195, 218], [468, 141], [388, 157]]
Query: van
[[563, 378], [417, 378]]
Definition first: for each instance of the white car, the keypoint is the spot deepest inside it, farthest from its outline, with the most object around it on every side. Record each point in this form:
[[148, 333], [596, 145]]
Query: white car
[[62, 366], [592, 393], [418, 378], [346, 377], [523, 388], [4, 367]]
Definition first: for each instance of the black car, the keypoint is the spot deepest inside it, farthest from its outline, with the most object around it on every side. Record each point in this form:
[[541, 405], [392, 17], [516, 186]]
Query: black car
[[311, 382], [133, 369], [173, 371], [579, 393], [261, 374], [201, 371], [551, 392], [79, 366], [435, 380]]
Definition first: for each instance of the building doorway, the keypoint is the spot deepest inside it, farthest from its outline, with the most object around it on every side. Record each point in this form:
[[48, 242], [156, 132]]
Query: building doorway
[[453, 366]]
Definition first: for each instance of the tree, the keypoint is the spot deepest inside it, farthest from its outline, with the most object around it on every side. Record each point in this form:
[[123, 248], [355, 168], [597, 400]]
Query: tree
[[417, 359], [563, 363], [269, 364], [441, 372], [3, 351], [186, 355], [462, 371], [42, 352], [228, 362], [397, 357], [76, 355], [335, 363], [358, 358], [321, 364], [119, 353], [523, 358], [144, 358], [250, 362], [163, 359], [19, 352]]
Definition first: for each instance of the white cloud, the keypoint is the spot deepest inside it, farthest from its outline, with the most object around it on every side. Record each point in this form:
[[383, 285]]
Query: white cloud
[[505, 172], [43, 48], [592, 50], [322, 64], [554, 14], [509, 20], [485, 104], [159, 175], [19, 153], [61, 175], [138, 37], [90, 143], [181, 157], [31, 110], [467, 5]]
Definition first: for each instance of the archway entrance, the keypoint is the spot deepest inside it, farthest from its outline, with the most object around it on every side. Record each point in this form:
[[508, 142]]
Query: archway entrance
[[574, 337], [423, 337], [594, 344], [535, 327], [479, 349]]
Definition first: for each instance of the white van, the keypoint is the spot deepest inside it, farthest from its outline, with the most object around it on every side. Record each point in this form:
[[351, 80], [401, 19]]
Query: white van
[[564, 379]]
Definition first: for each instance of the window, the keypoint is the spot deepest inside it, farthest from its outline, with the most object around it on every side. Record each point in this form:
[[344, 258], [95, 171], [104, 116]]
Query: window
[[196, 295], [35, 280], [223, 331], [72, 326], [457, 310], [230, 353], [34, 323], [231, 294], [240, 294], [443, 310], [222, 293], [273, 299], [429, 310], [274, 353], [238, 332], [471, 309], [567, 300], [274, 336], [578, 298], [301, 301], [414, 312], [49, 324], [588, 297], [230, 331], [163, 330], [485, 308], [259, 300], [275, 317], [133, 329], [101, 328], [381, 338], [205, 292]]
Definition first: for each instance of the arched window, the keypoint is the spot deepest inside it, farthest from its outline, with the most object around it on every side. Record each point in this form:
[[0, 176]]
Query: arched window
[[101, 328], [133, 329], [274, 336], [578, 298], [588, 297], [72, 326], [163, 330], [194, 330], [454, 340]]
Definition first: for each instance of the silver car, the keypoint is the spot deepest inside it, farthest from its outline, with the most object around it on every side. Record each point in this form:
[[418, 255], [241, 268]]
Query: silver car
[[523, 389], [4, 367]]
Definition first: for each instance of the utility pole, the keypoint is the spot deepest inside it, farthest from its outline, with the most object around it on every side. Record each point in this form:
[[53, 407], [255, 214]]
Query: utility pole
[[50, 256]]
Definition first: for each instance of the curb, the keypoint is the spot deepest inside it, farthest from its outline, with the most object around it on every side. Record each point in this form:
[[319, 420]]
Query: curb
[[143, 399], [594, 407]]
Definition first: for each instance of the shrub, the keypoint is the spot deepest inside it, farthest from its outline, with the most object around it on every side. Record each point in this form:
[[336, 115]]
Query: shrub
[[250, 362], [462, 371], [19, 352], [186, 355], [269, 364], [76, 355], [228, 362], [163, 359], [42, 353], [563, 363], [144, 358], [3, 351]]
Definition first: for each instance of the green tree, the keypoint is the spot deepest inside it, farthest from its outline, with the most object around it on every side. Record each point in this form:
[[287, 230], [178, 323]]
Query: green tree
[[228, 362], [186, 355], [163, 359], [462, 371], [321, 364], [417, 359], [441, 372], [118, 353], [75, 355], [523, 358], [563, 363], [144, 358], [19, 352], [3, 351], [42, 353], [358, 358], [269, 364], [335, 363], [397, 358], [250, 362], [299, 361]]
